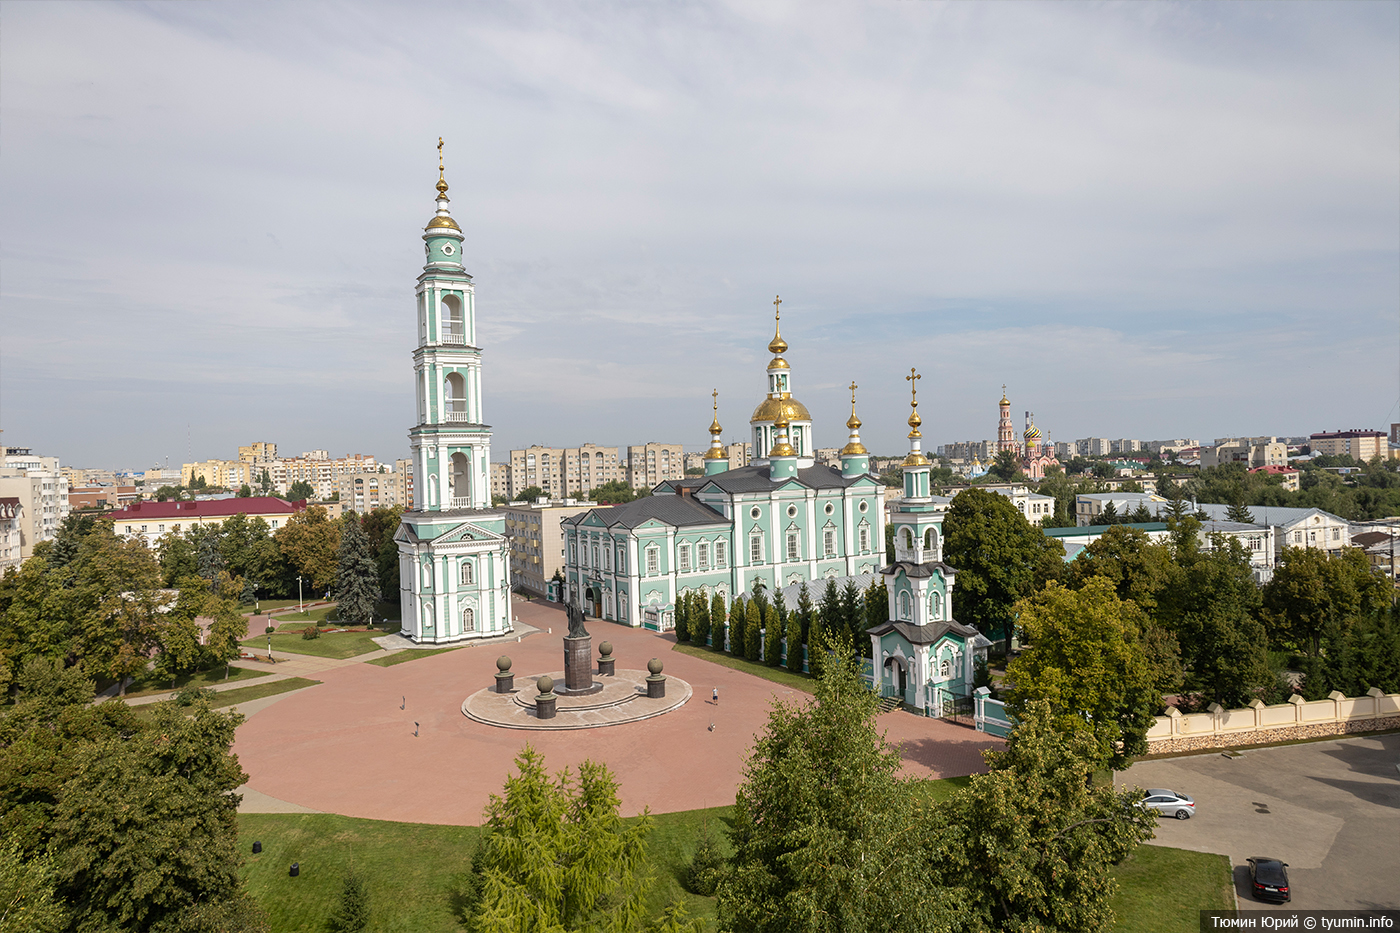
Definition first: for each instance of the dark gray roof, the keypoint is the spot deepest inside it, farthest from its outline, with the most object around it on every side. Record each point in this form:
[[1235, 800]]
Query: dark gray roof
[[1211, 526], [670, 510], [923, 634], [755, 479], [919, 570]]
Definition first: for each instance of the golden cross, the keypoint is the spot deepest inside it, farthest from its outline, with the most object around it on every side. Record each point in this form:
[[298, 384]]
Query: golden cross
[[715, 393], [913, 386], [439, 154], [853, 395], [776, 301]]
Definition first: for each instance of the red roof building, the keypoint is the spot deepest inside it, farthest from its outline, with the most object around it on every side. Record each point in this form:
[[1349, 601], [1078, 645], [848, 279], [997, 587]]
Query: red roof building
[[151, 520], [1290, 475]]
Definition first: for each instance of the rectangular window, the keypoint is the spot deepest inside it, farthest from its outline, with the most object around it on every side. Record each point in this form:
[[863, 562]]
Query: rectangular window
[[756, 549], [683, 558], [792, 546], [1336, 534], [653, 560], [829, 543], [621, 559], [1297, 537], [702, 556], [160, 529], [721, 557], [864, 539]]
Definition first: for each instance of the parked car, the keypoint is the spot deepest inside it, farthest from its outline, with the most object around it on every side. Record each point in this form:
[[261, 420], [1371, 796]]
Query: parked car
[[1268, 878], [1170, 803]]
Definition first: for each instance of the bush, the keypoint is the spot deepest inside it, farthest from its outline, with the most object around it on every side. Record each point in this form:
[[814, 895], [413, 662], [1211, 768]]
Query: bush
[[192, 695], [311, 631], [702, 876], [351, 913]]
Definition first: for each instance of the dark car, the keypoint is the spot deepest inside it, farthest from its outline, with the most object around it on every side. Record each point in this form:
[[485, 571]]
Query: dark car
[[1268, 878]]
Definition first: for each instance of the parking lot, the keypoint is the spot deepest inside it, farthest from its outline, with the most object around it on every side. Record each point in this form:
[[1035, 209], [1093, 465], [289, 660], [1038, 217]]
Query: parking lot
[[1331, 810]]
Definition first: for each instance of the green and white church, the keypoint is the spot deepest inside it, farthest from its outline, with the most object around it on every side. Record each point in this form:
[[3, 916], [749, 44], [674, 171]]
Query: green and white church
[[922, 656], [781, 520], [454, 558]]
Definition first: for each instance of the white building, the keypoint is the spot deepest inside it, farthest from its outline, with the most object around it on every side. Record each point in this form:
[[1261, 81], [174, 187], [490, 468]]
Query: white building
[[42, 491]]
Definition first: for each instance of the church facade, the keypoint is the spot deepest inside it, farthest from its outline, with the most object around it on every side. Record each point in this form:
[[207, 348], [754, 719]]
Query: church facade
[[781, 520], [1036, 454], [454, 558]]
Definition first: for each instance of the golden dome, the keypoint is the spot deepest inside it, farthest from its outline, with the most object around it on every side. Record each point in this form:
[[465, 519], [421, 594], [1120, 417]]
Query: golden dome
[[854, 449], [778, 363], [786, 408], [778, 344], [914, 422], [915, 459], [1004, 400], [853, 422], [444, 222], [781, 447]]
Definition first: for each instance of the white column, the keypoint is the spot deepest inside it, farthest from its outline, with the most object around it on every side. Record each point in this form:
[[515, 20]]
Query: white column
[[449, 568]]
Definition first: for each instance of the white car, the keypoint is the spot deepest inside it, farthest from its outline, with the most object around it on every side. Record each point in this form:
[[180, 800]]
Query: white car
[[1170, 803]]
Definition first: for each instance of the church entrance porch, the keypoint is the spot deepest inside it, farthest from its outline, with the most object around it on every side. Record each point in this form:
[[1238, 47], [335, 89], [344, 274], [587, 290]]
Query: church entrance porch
[[895, 681]]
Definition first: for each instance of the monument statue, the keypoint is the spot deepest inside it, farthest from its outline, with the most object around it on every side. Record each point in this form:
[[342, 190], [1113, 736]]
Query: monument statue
[[575, 614]]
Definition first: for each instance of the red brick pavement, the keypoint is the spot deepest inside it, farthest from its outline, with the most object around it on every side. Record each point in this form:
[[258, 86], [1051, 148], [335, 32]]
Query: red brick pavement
[[346, 747]]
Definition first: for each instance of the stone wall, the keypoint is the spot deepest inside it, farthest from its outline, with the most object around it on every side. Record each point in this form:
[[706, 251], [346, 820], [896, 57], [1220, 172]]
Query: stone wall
[[1258, 724]]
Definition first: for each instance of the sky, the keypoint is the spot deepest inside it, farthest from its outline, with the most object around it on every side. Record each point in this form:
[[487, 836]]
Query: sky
[[1147, 220]]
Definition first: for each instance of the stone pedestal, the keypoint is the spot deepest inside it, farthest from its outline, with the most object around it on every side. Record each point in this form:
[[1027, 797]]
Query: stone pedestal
[[578, 663], [656, 683], [607, 664], [505, 682], [545, 706]]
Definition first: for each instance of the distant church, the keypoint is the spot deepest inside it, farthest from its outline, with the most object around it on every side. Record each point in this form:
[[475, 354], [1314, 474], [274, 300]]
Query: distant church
[[1036, 455]]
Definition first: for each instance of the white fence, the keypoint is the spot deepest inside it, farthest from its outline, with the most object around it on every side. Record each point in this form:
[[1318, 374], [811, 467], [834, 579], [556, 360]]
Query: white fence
[[1258, 723]]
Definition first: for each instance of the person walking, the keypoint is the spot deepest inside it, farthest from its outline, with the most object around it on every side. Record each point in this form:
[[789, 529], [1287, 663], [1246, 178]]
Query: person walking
[[715, 696]]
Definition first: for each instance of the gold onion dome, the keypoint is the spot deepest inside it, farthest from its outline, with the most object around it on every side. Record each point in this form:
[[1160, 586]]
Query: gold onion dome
[[853, 422], [781, 447], [778, 344], [855, 447], [778, 363], [442, 220], [1004, 399], [915, 458], [786, 408]]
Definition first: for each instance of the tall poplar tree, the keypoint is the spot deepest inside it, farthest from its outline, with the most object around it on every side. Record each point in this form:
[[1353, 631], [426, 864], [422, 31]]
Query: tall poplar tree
[[772, 638], [753, 630]]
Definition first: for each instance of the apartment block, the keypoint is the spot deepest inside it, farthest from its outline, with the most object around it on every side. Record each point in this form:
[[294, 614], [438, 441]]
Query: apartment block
[[258, 452], [40, 492], [651, 463], [563, 471], [969, 450], [739, 454], [1093, 447], [403, 471], [537, 540], [1356, 443], [500, 481], [589, 466], [1124, 446], [1253, 452], [10, 513], [365, 492]]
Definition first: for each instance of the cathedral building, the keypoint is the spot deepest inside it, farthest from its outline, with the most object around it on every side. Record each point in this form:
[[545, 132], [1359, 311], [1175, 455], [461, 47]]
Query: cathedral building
[[780, 520], [454, 558], [1036, 454]]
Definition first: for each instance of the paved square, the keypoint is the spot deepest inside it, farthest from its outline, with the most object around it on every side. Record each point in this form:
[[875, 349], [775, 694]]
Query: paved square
[[1331, 810], [346, 746]]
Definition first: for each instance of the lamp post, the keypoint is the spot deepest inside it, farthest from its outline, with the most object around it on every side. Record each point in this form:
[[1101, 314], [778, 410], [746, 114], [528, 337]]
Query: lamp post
[[300, 607]]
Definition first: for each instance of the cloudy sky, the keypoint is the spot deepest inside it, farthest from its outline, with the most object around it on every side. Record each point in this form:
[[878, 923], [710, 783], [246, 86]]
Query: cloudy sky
[[1148, 220]]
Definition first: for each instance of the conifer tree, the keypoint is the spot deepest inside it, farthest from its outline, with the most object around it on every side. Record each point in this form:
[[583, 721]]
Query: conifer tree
[[683, 618], [700, 622], [716, 618], [772, 638], [794, 643], [804, 612], [738, 617], [753, 630], [829, 610], [852, 613], [1239, 512], [357, 575], [351, 914]]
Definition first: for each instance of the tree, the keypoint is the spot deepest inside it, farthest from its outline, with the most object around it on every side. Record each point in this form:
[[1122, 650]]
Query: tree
[[530, 494], [357, 575], [245, 491], [1239, 512], [616, 492], [28, 903], [805, 611], [772, 637], [997, 553], [351, 913], [829, 612], [1311, 588], [716, 620], [556, 854], [753, 630], [1109, 515], [300, 490], [738, 623], [1031, 844], [1006, 467], [823, 826], [794, 642], [310, 541], [853, 616], [700, 622], [1086, 662], [1138, 568], [265, 483]]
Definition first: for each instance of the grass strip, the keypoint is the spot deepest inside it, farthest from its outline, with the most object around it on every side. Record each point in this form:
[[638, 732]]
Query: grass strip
[[258, 691], [1163, 890], [329, 645], [147, 685], [409, 654], [778, 675]]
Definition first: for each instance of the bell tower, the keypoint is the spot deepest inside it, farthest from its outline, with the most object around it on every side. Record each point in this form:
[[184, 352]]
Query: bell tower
[[451, 446]]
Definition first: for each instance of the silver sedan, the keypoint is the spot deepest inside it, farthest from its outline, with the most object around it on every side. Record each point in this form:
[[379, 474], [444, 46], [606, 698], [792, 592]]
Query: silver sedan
[[1170, 803]]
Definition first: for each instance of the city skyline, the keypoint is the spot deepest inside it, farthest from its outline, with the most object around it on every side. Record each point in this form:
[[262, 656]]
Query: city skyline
[[1127, 214]]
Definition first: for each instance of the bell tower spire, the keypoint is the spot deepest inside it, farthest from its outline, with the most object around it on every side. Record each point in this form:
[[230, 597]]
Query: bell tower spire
[[716, 458], [855, 459]]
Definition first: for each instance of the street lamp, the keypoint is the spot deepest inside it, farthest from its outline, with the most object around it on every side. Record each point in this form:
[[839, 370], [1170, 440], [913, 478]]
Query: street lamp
[[300, 607]]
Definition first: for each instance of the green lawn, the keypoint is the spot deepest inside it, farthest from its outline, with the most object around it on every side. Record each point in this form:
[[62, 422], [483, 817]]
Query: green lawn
[[225, 698], [311, 615], [148, 683], [779, 675], [329, 645], [413, 869], [271, 605], [408, 654], [1162, 890]]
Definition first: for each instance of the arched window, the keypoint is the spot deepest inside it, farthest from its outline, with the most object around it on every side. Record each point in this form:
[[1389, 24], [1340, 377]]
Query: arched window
[[468, 620], [930, 537], [904, 605], [454, 397], [454, 327], [461, 481], [427, 575], [468, 576], [907, 538], [428, 625], [945, 669], [935, 606]]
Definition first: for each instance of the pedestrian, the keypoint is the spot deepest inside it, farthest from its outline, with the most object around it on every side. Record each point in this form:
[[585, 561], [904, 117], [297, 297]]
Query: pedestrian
[[715, 696]]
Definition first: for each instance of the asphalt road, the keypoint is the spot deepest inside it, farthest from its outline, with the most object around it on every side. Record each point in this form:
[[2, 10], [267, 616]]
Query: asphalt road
[[1331, 810]]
